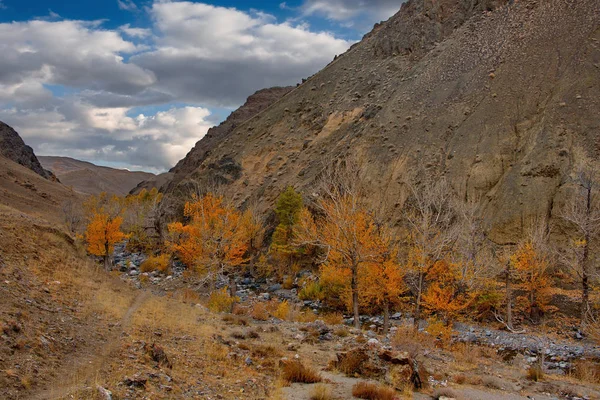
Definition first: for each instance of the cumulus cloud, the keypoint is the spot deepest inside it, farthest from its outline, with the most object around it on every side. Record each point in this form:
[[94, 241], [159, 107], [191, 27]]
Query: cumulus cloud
[[78, 130], [127, 5], [345, 10], [218, 56], [72, 87]]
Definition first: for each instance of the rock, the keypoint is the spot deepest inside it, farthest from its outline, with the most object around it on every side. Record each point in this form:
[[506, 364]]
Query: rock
[[274, 288], [158, 355], [395, 357], [137, 381], [248, 361], [105, 394], [373, 342], [396, 316], [134, 272], [265, 296]]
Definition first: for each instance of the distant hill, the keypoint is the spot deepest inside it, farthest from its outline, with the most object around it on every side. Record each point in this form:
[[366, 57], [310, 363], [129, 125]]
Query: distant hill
[[24, 190], [88, 178]]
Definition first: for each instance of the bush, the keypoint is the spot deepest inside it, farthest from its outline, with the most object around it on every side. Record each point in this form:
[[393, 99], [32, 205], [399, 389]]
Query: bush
[[535, 373], [372, 391], [283, 311], [156, 263], [312, 291], [321, 392], [259, 312], [333, 318], [220, 301], [439, 330], [295, 371]]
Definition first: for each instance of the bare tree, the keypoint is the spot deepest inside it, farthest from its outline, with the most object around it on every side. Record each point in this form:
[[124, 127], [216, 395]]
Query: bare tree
[[431, 216], [72, 213], [471, 243], [582, 213]]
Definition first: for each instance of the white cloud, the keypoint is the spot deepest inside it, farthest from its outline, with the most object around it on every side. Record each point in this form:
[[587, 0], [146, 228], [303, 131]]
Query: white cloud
[[135, 32], [218, 56], [344, 10], [127, 5], [155, 142], [69, 87]]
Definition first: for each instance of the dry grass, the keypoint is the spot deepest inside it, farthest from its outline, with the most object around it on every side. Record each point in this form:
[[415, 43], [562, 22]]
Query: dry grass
[[321, 392], [295, 371], [333, 318], [259, 312], [535, 373], [351, 362], [156, 263], [372, 391], [587, 371]]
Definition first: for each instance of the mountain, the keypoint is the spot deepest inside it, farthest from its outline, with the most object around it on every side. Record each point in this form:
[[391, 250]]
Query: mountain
[[88, 178], [13, 148], [494, 94]]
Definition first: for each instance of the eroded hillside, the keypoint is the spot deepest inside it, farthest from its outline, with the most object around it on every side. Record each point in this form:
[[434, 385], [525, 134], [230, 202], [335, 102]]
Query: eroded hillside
[[494, 95]]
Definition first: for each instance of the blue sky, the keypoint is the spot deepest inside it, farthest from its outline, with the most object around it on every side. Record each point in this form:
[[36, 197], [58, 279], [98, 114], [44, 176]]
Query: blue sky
[[136, 83]]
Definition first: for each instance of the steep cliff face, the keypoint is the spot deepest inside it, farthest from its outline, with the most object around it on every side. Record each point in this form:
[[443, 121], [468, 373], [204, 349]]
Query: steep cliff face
[[13, 148], [495, 94]]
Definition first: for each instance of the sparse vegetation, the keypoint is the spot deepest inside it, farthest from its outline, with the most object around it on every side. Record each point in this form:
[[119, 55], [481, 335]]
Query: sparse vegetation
[[372, 391], [321, 392], [295, 371]]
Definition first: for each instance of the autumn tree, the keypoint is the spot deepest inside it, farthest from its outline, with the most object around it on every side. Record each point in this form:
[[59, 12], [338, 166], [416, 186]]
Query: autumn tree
[[430, 217], [215, 241], [582, 215], [140, 219], [531, 268], [446, 294], [382, 280], [343, 229], [288, 207], [105, 217]]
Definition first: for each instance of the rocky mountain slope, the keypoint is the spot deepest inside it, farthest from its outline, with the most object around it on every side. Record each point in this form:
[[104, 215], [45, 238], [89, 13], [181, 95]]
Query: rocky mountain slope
[[494, 94], [88, 178], [13, 148]]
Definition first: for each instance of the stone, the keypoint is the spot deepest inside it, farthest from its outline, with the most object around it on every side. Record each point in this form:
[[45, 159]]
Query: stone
[[395, 357], [104, 393]]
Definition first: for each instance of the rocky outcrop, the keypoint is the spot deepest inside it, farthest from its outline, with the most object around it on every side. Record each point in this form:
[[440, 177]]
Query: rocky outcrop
[[15, 149], [495, 95]]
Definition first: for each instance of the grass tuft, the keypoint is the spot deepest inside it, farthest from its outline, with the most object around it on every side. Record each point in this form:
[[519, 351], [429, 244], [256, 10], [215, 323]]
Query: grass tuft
[[372, 391]]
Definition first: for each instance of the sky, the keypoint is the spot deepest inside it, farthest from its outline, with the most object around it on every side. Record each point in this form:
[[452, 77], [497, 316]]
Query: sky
[[136, 83]]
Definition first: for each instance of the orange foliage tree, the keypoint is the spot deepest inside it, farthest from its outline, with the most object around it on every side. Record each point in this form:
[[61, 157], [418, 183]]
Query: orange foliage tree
[[348, 236], [382, 281], [216, 239], [104, 225], [531, 268], [446, 293]]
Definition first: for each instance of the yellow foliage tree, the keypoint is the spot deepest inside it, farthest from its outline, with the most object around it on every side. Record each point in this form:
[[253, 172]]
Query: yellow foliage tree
[[531, 268], [446, 294], [104, 225], [215, 240], [382, 281], [348, 236]]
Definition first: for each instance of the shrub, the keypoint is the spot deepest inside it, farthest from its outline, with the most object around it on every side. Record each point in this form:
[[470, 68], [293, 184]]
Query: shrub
[[156, 263], [312, 291], [441, 331], [351, 362], [321, 392], [535, 373], [259, 312], [283, 310], [333, 319], [221, 301], [587, 371], [372, 391], [190, 296], [295, 371]]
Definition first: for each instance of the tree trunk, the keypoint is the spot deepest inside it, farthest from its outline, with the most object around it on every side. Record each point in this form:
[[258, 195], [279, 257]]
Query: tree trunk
[[354, 285], [417, 315], [232, 290], [386, 317], [585, 288], [106, 256], [508, 297]]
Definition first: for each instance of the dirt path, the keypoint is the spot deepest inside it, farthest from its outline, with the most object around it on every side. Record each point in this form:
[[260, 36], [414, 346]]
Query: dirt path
[[83, 367]]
